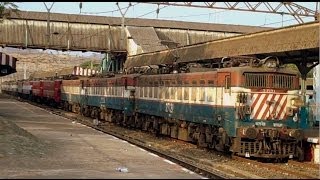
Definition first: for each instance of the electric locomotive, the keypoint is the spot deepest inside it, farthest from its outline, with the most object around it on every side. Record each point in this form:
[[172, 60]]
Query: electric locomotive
[[252, 111]]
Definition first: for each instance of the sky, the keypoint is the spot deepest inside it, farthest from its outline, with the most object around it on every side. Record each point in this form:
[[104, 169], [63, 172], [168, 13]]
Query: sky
[[191, 14]]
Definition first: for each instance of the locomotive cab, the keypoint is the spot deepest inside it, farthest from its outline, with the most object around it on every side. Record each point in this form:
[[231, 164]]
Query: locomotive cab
[[267, 113]]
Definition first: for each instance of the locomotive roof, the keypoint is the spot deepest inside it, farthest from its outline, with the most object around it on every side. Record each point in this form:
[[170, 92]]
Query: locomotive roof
[[238, 69]]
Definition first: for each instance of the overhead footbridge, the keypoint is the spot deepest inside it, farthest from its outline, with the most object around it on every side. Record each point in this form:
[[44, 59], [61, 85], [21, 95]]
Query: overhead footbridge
[[28, 29]]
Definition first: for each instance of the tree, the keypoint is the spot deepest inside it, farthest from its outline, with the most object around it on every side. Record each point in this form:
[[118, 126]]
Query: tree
[[295, 68], [6, 8], [87, 64]]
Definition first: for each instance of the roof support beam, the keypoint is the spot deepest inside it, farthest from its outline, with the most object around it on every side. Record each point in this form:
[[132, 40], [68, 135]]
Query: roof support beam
[[281, 8]]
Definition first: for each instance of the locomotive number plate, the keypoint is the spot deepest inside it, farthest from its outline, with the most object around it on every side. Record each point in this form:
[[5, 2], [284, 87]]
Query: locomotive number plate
[[260, 123], [277, 125]]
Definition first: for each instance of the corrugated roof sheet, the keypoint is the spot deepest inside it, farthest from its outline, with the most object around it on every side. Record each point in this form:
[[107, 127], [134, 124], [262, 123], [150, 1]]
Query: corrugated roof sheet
[[147, 38], [292, 38], [31, 15]]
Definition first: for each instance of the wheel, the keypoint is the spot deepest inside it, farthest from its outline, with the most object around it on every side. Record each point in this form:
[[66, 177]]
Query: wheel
[[284, 160]]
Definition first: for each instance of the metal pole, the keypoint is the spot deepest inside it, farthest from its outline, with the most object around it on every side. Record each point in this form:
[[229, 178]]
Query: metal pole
[[303, 88], [25, 71], [122, 22], [316, 78], [48, 24], [48, 29], [317, 12], [26, 40], [68, 36]]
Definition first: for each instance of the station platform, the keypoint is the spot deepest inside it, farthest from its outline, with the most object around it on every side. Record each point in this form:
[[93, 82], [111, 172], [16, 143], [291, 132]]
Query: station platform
[[50, 146]]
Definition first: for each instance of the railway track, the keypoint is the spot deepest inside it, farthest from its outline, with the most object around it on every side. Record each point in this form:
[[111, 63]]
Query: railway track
[[313, 166], [279, 167]]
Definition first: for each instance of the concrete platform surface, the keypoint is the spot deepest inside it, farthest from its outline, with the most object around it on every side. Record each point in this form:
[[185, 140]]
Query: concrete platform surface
[[72, 150]]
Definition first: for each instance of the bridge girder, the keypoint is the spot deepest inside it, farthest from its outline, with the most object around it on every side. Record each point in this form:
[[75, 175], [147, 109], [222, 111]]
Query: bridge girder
[[281, 8]]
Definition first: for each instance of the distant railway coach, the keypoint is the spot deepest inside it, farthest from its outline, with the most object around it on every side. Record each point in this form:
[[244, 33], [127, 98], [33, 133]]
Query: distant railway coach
[[51, 91], [37, 91], [57, 91], [27, 88], [70, 92], [10, 87], [48, 89], [20, 87], [103, 97], [24, 89], [14, 87], [5, 87]]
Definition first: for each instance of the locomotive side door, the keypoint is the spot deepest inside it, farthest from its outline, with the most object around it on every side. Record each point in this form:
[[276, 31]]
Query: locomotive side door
[[224, 104], [128, 96], [83, 93]]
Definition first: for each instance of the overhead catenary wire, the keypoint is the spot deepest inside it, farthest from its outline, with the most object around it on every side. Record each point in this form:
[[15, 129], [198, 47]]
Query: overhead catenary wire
[[125, 22], [194, 15], [168, 17], [147, 13], [91, 24], [107, 29], [112, 11], [278, 22]]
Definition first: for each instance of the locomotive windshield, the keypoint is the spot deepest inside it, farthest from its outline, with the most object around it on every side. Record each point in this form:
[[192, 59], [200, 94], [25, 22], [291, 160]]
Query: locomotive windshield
[[270, 80]]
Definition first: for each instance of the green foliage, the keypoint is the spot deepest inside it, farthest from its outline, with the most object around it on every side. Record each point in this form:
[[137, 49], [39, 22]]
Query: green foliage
[[6, 8], [292, 67], [87, 65], [295, 68], [310, 74]]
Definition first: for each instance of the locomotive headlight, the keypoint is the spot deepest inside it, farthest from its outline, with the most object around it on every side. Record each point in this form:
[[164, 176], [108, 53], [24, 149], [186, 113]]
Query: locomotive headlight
[[295, 117], [296, 133], [250, 133], [296, 102]]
